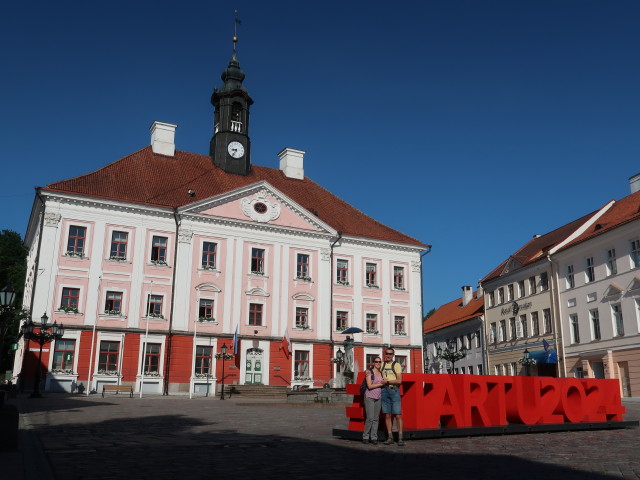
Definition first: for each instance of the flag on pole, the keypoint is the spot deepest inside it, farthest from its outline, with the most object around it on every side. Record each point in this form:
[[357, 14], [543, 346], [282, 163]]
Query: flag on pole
[[286, 343], [545, 344], [235, 341]]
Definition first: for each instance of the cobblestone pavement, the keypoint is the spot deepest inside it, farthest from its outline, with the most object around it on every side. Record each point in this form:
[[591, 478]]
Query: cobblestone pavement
[[174, 437]]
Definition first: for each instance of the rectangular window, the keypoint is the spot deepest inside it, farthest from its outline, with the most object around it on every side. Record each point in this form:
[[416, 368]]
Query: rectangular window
[[119, 245], [203, 360], [500, 370], [209, 255], [372, 323], [205, 309], [501, 295], [589, 271], [493, 333], [502, 334], [477, 338], [398, 278], [302, 317], [575, 328], [535, 324], [612, 267], [154, 306], [342, 320], [521, 292], [152, 358], [77, 237], [302, 266], [398, 325], [510, 292], [368, 360], [63, 355], [479, 369], [532, 285], [635, 253], [570, 278], [159, 249], [548, 327], [514, 369], [113, 303], [595, 323], [70, 298], [544, 281], [370, 274], [257, 260], [301, 364], [255, 314], [342, 272], [402, 360], [468, 341], [512, 328], [523, 326], [618, 321], [492, 299], [108, 359]]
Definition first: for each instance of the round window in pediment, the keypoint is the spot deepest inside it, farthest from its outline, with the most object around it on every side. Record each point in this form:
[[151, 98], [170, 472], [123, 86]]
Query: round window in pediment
[[260, 207]]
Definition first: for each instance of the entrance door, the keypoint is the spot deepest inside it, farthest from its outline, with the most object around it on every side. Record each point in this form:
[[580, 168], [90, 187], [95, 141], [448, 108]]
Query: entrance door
[[598, 369], [254, 366]]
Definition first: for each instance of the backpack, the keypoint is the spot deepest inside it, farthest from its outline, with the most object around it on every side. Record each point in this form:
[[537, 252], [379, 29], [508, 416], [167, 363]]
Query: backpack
[[363, 385]]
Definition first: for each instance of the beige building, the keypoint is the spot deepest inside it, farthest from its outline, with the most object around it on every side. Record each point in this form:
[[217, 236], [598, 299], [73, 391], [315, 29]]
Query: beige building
[[520, 317]]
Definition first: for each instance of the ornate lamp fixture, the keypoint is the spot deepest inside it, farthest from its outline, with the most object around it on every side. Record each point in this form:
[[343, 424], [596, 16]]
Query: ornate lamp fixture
[[46, 333]]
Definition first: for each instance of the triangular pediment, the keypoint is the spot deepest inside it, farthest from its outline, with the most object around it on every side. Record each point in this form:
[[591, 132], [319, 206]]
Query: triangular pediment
[[634, 286], [613, 291], [511, 264], [262, 204]]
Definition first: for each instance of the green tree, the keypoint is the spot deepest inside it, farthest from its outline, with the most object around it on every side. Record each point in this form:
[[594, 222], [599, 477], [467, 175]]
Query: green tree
[[13, 270]]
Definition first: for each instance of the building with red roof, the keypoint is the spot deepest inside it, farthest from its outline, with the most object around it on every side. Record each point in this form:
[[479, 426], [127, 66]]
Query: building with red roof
[[453, 336], [159, 260], [598, 279]]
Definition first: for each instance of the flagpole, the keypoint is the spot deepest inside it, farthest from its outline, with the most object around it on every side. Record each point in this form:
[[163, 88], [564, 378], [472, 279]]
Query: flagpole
[[146, 338]]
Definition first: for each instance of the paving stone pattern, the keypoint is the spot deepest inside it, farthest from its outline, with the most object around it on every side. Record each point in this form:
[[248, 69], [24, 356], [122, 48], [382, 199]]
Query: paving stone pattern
[[174, 437]]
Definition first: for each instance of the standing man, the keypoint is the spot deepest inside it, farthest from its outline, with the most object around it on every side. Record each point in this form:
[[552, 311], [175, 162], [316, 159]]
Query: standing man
[[391, 406]]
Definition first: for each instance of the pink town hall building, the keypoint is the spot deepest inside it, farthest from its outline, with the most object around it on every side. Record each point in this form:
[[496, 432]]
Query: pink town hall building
[[156, 260]]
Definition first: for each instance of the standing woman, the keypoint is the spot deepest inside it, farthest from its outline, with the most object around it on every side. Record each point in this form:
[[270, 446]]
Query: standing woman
[[372, 402]]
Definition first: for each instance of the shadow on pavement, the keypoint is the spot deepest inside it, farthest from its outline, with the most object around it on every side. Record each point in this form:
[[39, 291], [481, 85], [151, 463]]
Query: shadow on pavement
[[176, 446]]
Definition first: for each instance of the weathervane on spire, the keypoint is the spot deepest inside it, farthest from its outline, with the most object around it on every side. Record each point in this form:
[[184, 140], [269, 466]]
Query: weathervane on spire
[[236, 22]]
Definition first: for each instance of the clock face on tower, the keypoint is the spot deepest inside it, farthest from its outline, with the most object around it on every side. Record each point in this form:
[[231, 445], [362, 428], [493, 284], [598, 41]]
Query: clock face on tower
[[235, 149]]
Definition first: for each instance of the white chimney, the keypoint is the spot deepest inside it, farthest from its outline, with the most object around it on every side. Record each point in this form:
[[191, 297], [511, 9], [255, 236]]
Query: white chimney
[[467, 295], [163, 138], [634, 183], [292, 163]]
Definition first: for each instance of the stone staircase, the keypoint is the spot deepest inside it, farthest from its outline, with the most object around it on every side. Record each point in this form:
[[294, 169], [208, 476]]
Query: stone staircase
[[275, 392]]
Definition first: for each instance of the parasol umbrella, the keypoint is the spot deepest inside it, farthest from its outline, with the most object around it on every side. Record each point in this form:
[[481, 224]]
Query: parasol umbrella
[[352, 330]]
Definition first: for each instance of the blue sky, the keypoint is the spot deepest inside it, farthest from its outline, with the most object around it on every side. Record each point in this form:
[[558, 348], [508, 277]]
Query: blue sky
[[470, 125]]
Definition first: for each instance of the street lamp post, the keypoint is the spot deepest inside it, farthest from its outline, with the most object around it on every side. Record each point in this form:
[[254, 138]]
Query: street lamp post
[[7, 297], [452, 354], [45, 335], [526, 361], [224, 355]]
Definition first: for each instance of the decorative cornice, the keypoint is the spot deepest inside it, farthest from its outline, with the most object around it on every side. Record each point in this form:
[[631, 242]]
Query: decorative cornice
[[257, 292], [208, 287], [303, 296]]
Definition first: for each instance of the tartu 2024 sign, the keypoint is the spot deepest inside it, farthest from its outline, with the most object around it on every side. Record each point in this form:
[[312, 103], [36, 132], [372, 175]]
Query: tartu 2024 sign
[[435, 400]]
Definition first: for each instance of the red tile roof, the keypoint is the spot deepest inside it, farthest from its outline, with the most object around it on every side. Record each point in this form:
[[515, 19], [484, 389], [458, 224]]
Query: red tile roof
[[151, 179], [621, 212], [453, 312], [536, 248]]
